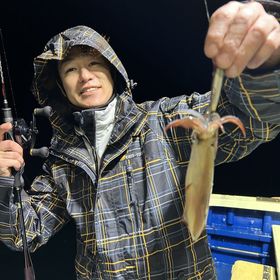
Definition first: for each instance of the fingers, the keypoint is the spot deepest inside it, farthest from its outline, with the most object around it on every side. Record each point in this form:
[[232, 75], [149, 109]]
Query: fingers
[[9, 145], [255, 46], [11, 153], [242, 35], [269, 50], [11, 156], [15, 163], [218, 27], [4, 128]]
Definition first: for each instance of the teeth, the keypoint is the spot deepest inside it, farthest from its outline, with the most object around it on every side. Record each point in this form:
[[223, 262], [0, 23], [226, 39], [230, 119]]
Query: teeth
[[90, 89]]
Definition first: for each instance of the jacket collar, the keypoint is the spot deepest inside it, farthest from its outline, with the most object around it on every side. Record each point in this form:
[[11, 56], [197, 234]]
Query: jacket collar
[[127, 124]]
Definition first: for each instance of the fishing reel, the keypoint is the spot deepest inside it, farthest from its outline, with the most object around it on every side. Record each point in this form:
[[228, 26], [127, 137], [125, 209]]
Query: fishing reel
[[25, 135]]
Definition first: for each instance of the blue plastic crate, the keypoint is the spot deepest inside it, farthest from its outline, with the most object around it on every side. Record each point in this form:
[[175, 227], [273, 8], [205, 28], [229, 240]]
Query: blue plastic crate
[[236, 233]]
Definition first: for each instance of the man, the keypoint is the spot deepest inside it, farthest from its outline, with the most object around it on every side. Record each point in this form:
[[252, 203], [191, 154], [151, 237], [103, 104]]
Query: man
[[114, 169]]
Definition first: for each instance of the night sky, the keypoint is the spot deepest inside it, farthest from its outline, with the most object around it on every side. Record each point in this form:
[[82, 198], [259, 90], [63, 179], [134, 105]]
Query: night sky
[[161, 45]]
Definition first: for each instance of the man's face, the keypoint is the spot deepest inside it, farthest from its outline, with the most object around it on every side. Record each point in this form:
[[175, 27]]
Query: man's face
[[86, 78]]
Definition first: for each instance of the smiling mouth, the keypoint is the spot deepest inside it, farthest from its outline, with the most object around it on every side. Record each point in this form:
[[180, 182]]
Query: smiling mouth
[[92, 89]]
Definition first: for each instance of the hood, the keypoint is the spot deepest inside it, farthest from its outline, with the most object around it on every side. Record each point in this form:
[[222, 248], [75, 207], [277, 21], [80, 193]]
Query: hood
[[45, 86]]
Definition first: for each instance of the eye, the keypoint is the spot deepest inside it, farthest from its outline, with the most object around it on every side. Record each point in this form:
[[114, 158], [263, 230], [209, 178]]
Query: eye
[[70, 69], [93, 63]]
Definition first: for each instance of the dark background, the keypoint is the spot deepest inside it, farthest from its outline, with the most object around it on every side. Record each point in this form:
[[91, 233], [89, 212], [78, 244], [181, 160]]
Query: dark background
[[160, 42]]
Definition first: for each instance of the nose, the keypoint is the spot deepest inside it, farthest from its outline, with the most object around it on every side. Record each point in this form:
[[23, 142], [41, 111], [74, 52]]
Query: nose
[[85, 75]]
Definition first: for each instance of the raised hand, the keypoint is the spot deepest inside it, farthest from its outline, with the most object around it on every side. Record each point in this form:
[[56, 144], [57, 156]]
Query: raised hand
[[242, 35], [11, 153]]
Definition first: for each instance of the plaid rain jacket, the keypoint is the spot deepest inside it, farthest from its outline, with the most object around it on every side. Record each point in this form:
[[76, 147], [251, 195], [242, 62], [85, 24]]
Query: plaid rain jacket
[[128, 210]]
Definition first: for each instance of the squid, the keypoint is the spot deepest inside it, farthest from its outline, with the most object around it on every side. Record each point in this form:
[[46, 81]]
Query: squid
[[200, 171]]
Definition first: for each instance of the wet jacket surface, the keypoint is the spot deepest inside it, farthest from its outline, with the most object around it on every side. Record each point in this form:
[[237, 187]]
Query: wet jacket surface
[[128, 210]]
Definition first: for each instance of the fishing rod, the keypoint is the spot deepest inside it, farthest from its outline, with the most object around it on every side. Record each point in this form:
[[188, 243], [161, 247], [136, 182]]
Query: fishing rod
[[25, 136], [217, 79]]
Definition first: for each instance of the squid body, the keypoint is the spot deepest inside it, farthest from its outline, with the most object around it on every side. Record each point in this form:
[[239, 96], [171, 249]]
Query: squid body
[[200, 171]]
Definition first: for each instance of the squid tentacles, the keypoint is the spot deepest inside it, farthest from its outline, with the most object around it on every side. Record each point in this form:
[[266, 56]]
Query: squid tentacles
[[200, 171]]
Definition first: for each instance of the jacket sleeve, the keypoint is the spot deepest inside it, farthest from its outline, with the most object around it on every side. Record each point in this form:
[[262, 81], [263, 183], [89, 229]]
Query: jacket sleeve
[[44, 212], [254, 99]]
